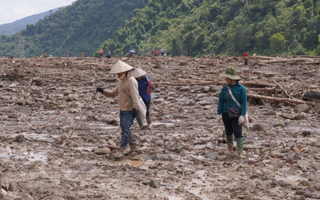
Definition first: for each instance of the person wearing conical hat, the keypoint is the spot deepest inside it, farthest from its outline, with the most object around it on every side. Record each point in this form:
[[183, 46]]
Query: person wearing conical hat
[[145, 87], [233, 126], [127, 91]]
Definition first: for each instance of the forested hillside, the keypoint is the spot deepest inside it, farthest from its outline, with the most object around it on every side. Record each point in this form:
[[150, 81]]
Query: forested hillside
[[180, 27], [82, 26], [16, 26], [225, 27]]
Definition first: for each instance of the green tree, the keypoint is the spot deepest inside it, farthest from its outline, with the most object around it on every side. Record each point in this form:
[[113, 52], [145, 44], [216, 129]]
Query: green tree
[[316, 52], [277, 43]]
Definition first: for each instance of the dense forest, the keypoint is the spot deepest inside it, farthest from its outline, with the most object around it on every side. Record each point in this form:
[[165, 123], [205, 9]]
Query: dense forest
[[82, 26], [222, 27], [180, 27]]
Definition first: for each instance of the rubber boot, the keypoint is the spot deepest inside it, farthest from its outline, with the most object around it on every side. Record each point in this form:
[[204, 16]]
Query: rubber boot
[[140, 123], [149, 123], [119, 153], [241, 153], [135, 149], [230, 143]]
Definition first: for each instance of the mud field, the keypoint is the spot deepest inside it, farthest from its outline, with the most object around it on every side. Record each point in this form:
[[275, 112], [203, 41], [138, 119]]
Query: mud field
[[44, 100]]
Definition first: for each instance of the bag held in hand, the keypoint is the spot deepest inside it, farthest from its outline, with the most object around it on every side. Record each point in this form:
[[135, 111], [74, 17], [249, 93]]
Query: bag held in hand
[[142, 109]]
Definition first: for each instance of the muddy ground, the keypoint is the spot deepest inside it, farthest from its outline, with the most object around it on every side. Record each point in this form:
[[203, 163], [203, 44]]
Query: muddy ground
[[44, 99]]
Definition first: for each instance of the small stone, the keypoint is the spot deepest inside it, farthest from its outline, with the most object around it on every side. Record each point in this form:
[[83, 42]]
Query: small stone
[[154, 183], [252, 161], [301, 116], [25, 197], [247, 197], [112, 143], [73, 144], [221, 157], [5, 182], [3, 194], [296, 149], [182, 89], [20, 138], [205, 89], [306, 133], [276, 154], [270, 112], [301, 108], [181, 188], [102, 151], [257, 127]]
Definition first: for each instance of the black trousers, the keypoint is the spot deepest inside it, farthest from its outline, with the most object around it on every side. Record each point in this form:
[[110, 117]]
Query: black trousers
[[245, 61], [147, 103], [231, 125]]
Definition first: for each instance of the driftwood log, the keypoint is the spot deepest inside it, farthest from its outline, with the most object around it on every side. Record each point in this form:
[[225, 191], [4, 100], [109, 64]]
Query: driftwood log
[[290, 101], [288, 60], [256, 83]]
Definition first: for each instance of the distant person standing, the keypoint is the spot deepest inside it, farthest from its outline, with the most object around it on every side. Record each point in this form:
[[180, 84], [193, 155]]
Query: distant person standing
[[246, 57], [130, 54], [101, 53], [155, 52], [109, 54], [81, 54]]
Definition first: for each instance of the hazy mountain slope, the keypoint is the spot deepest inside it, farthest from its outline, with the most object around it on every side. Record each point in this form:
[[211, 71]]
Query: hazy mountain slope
[[16, 26]]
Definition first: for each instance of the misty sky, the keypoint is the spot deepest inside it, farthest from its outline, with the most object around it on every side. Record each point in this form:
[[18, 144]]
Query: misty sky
[[12, 10]]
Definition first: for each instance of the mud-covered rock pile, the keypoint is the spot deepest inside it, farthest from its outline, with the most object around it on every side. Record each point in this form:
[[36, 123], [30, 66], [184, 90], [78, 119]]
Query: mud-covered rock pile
[[45, 100]]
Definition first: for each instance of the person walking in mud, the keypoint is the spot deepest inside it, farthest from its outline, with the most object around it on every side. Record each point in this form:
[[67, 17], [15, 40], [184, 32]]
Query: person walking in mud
[[246, 57], [233, 96], [145, 87], [127, 90]]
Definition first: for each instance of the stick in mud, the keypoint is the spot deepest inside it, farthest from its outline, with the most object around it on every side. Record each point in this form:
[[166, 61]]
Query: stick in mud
[[83, 112]]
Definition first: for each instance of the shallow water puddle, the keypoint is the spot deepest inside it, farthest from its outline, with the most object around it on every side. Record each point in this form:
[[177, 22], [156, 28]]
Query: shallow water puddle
[[301, 129], [291, 179], [8, 153], [174, 197], [38, 137], [162, 123], [142, 164]]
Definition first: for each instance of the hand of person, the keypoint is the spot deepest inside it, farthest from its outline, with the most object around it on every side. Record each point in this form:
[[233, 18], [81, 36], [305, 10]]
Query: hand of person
[[99, 90], [241, 120], [134, 113], [151, 84], [219, 118]]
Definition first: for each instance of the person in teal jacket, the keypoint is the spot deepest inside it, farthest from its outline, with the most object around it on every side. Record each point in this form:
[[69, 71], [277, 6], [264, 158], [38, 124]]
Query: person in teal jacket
[[233, 126]]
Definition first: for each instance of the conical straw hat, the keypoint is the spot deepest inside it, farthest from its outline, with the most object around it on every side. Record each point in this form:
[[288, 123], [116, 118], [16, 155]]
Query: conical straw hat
[[120, 67], [138, 73]]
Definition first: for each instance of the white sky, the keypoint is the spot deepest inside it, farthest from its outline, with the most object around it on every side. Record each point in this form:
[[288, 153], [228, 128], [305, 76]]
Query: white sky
[[12, 10]]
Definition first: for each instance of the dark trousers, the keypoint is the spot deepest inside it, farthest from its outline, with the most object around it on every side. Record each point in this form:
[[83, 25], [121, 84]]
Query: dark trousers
[[245, 61], [231, 125], [147, 103]]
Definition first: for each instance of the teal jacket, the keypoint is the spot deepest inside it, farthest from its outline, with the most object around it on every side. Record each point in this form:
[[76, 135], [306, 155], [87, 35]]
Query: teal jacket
[[239, 92]]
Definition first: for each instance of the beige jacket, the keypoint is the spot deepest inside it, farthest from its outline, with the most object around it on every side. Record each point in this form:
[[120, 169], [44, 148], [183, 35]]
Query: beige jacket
[[126, 87]]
